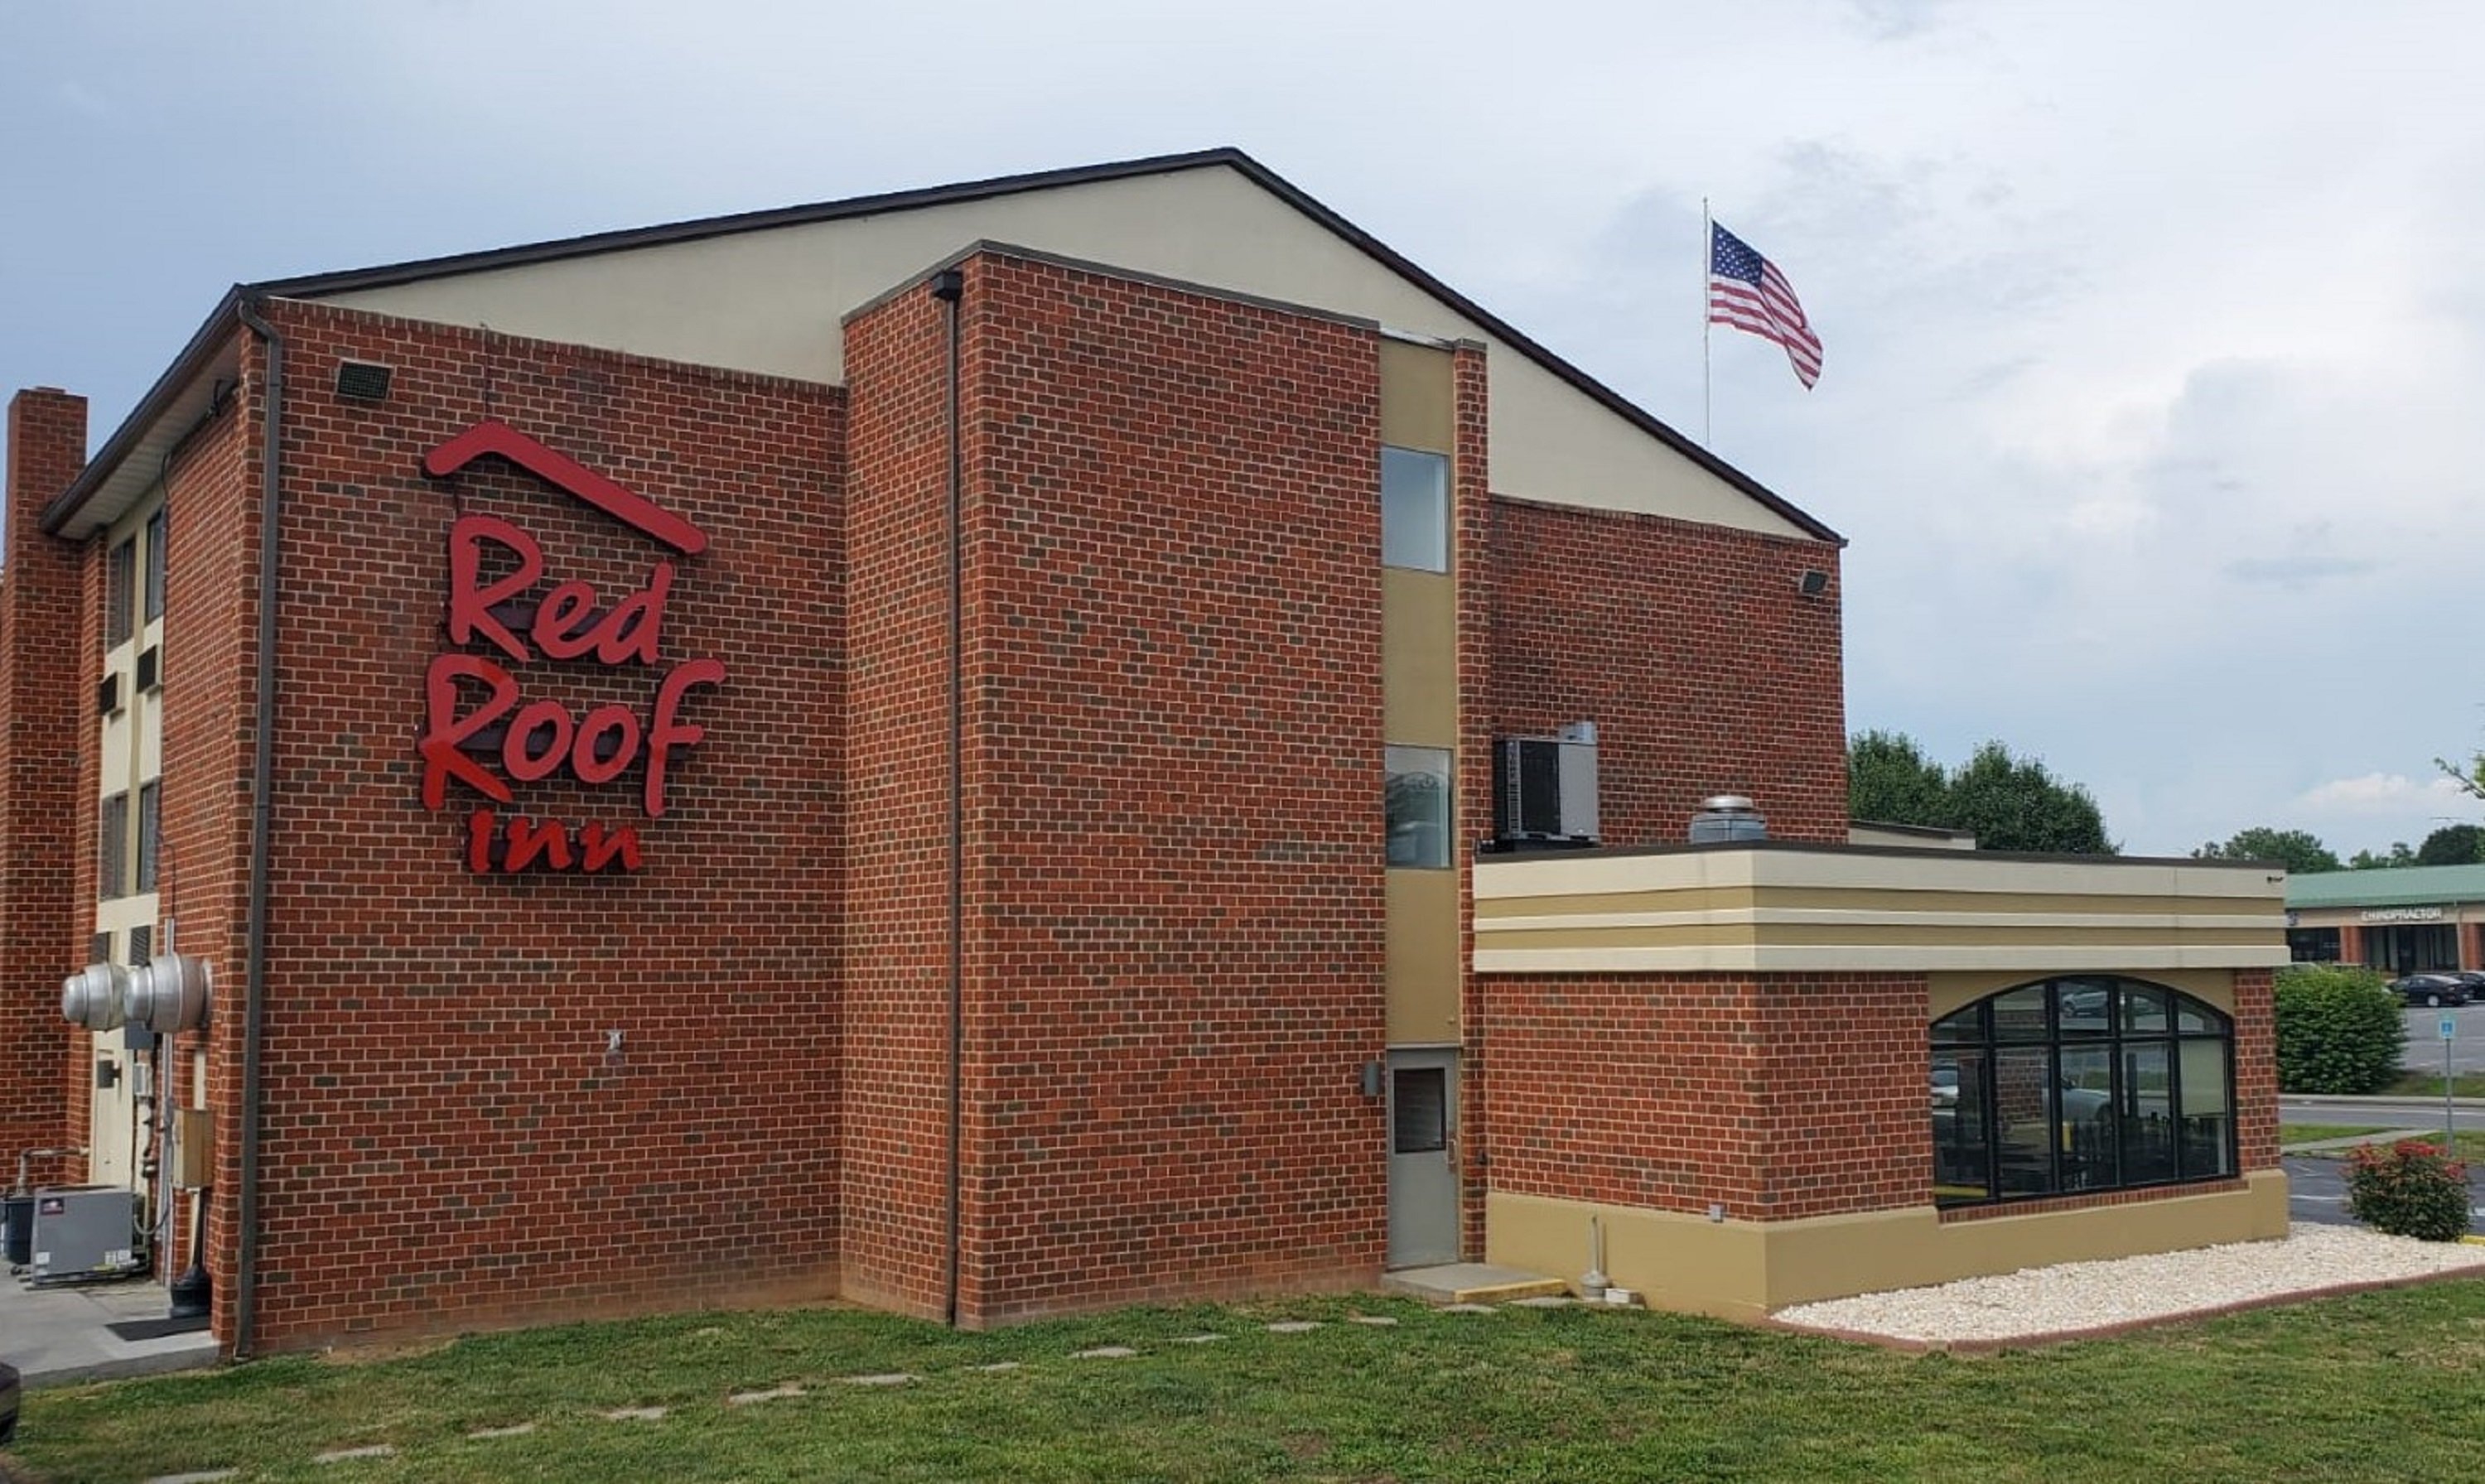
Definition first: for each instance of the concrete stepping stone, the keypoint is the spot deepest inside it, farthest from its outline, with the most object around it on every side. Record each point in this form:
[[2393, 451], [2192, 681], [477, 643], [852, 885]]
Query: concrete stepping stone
[[1466, 1308], [349, 1455], [635, 1414], [1293, 1326], [1197, 1340], [998, 1366], [1549, 1301], [1382, 1320], [773, 1394], [513, 1430], [883, 1378], [203, 1477], [1106, 1353]]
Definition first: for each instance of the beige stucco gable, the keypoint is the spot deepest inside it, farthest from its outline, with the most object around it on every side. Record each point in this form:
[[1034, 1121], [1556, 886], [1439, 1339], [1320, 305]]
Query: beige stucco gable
[[770, 298]]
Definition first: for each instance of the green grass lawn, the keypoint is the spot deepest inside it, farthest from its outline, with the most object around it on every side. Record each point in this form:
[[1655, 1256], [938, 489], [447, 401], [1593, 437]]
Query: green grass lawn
[[2424, 1084], [2313, 1133], [2351, 1389]]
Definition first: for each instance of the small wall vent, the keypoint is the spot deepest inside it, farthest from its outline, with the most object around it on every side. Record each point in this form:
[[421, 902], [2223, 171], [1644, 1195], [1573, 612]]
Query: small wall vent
[[107, 695], [151, 664], [362, 381]]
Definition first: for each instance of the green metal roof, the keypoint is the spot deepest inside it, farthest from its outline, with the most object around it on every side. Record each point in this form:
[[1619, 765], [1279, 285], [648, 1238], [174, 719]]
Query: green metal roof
[[2387, 888]]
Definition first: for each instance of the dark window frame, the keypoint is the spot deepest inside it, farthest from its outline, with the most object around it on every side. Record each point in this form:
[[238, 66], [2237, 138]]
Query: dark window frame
[[1983, 1101], [121, 592], [150, 825], [112, 847], [152, 588]]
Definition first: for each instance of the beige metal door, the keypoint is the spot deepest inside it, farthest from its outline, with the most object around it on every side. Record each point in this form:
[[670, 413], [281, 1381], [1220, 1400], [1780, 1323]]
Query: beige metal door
[[113, 1127], [1422, 1158]]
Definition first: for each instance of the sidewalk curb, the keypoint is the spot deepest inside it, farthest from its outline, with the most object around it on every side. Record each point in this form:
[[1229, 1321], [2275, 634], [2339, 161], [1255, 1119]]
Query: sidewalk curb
[[2346, 1100]]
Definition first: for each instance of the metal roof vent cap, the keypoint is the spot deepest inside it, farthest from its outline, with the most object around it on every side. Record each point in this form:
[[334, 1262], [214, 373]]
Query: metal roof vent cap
[[1727, 818]]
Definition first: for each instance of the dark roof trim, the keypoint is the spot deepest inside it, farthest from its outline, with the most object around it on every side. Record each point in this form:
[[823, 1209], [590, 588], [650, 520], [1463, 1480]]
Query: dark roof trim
[[186, 368], [315, 285]]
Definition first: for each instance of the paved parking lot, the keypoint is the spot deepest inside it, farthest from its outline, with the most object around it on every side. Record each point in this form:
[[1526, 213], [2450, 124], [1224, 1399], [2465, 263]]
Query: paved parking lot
[[2467, 1045]]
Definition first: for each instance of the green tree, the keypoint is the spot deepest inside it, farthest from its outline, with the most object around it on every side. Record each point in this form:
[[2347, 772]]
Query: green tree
[[2298, 851], [2367, 860], [2014, 803], [2452, 845], [1890, 781]]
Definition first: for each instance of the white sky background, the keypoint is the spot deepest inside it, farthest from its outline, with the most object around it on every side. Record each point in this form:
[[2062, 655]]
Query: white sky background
[[2152, 329]]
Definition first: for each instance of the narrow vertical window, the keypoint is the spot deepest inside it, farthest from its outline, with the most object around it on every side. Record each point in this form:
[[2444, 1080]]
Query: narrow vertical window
[[1419, 806], [120, 584], [150, 818], [156, 566], [1414, 510], [111, 874]]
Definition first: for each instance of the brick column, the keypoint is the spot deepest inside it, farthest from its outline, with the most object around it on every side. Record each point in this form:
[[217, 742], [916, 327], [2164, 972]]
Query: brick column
[[42, 865], [2351, 943]]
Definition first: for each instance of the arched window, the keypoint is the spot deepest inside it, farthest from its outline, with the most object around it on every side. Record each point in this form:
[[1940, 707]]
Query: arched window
[[2080, 1084]]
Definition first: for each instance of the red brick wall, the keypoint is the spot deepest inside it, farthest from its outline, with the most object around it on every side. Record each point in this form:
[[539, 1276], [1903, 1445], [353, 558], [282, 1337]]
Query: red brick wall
[[1176, 867], [2255, 1070], [41, 706], [1778, 1096], [1688, 645], [446, 1139], [1471, 486], [892, 1206]]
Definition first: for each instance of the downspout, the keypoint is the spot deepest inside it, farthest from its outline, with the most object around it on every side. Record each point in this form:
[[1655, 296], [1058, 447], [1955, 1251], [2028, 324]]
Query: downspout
[[262, 775], [949, 286]]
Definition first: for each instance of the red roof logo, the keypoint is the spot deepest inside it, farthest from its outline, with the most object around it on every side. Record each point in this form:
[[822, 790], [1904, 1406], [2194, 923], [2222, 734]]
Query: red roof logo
[[566, 474]]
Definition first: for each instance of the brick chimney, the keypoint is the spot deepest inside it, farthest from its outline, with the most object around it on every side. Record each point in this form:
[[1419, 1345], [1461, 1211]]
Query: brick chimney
[[42, 869]]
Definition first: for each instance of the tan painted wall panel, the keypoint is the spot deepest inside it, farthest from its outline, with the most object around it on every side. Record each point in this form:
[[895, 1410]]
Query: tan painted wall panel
[[772, 301], [1419, 660], [1422, 944], [1417, 410]]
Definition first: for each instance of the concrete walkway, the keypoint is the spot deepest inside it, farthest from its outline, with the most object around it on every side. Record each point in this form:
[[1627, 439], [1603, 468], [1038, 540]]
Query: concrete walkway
[[56, 1335]]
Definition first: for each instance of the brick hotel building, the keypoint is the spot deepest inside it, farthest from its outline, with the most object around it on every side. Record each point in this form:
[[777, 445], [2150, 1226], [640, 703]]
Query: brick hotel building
[[942, 749]]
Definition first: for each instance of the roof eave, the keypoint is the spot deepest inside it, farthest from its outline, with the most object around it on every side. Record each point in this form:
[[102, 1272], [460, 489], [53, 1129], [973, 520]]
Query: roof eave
[[193, 361]]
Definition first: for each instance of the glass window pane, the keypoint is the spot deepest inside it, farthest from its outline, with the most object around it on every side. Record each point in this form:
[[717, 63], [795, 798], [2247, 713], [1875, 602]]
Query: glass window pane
[[2194, 1019], [2086, 1006], [2020, 1014], [2086, 1139], [2024, 1120], [1961, 1170], [1964, 1025], [2207, 1131], [149, 811], [1418, 806], [2144, 1009], [2147, 1115], [1419, 1110], [156, 566], [1414, 510], [119, 582]]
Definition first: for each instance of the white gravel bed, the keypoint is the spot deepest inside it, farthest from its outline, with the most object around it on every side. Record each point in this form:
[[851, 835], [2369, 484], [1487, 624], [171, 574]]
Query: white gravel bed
[[2077, 1295]]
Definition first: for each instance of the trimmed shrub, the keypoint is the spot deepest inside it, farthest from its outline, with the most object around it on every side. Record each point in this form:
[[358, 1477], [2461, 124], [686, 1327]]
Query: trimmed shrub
[[2409, 1189], [2340, 1030]]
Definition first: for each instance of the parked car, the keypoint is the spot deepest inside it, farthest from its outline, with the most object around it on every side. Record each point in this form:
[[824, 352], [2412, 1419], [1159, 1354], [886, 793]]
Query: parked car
[[2431, 990], [8, 1403]]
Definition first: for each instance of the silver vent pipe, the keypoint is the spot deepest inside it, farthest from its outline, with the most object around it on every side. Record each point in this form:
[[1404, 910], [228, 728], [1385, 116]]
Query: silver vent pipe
[[1726, 818]]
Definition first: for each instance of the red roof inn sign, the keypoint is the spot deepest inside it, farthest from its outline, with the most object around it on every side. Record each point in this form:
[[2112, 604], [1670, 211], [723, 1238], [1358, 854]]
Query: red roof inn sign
[[494, 739]]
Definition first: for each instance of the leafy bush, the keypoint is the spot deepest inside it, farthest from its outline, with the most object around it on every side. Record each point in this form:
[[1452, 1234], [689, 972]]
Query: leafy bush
[[2340, 1030], [2409, 1189]]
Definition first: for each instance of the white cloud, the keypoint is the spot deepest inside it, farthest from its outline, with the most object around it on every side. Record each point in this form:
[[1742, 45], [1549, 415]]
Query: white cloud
[[2380, 793]]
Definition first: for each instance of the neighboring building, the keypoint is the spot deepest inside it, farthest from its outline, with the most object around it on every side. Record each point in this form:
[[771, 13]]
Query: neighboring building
[[642, 860], [2400, 921]]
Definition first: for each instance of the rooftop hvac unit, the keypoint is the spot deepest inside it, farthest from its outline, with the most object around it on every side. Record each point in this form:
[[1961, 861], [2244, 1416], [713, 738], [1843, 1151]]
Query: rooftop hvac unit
[[1545, 790]]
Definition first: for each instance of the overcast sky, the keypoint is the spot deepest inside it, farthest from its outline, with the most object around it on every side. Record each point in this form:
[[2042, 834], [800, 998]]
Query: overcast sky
[[2152, 329]]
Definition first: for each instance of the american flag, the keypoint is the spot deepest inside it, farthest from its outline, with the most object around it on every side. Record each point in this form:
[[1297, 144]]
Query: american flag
[[1747, 291]]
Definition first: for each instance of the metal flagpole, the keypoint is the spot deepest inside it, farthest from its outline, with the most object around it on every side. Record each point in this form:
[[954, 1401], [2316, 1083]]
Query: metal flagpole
[[1707, 262]]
